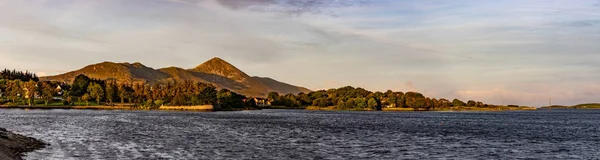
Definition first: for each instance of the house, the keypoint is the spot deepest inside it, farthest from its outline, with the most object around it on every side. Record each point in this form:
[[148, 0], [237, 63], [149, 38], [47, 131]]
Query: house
[[262, 102], [59, 90]]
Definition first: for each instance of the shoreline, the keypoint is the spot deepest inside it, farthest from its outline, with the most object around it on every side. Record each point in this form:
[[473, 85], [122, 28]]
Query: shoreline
[[14, 146], [164, 108], [453, 109], [211, 108]]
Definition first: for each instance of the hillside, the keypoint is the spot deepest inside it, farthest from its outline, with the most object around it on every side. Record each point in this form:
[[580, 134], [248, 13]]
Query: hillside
[[121, 72], [215, 71], [282, 87], [218, 71]]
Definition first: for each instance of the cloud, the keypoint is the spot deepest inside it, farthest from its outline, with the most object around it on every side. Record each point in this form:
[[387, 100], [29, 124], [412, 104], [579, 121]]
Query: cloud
[[291, 6], [237, 4], [179, 1], [489, 51]]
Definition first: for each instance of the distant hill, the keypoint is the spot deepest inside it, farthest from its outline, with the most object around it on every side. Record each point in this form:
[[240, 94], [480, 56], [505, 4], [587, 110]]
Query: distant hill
[[579, 106], [214, 71], [283, 87]]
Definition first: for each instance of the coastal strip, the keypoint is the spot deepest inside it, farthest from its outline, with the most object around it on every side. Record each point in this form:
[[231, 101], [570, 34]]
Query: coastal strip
[[14, 146], [502, 108], [172, 108]]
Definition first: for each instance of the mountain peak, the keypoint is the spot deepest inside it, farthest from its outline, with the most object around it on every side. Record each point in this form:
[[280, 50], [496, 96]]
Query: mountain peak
[[218, 62], [218, 66], [216, 59]]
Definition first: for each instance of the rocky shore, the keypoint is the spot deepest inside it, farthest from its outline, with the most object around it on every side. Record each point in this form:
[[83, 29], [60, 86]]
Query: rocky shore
[[14, 146]]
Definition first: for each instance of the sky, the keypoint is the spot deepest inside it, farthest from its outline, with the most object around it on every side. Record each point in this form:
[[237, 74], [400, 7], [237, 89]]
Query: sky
[[496, 51]]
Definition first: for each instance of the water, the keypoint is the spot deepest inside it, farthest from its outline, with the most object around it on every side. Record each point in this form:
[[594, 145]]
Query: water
[[295, 134]]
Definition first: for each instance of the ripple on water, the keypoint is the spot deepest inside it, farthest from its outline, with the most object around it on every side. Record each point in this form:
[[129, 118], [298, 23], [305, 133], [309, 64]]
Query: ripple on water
[[293, 134]]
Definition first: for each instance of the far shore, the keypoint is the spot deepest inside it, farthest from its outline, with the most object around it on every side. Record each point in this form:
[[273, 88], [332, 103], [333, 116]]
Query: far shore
[[210, 108], [171, 108], [437, 109]]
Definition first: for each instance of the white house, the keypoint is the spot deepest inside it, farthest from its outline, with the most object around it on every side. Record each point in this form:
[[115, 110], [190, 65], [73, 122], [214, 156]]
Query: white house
[[58, 90]]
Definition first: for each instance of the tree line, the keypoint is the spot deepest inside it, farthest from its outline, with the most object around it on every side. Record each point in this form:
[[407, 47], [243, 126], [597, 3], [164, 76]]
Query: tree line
[[24, 88], [85, 90], [358, 98], [20, 75]]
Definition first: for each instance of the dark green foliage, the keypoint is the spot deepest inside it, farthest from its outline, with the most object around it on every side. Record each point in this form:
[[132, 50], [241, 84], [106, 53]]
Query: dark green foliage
[[471, 103], [111, 91], [357, 98], [458, 103], [273, 96], [80, 84], [228, 99], [250, 103], [18, 75]]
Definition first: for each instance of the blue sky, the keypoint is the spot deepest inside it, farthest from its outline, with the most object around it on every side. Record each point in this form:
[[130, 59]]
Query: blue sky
[[501, 51]]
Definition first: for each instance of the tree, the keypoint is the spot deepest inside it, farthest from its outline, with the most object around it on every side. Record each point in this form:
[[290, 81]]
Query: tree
[[458, 103], [14, 88], [417, 103], [480, 104], [471, 103], [444, 103], [80, 84], [208, 95], [341, 104], [47, 92], [3, 85], [121, 90], [228, 99], [111, 91], [373, 104], [360, 103], [86, 98], [30, 90], [393, 100], [67, 97], [273, 96], [350, 103], [18, 75], [251, 103], [96, 91]]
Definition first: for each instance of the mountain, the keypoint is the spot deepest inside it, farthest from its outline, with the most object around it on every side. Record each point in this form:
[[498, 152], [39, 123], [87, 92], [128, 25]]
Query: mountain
[[121, 72], [216, 71]]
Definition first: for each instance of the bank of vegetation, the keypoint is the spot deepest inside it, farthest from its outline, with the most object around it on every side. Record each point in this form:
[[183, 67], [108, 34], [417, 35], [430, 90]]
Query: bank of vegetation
[[19, 89], [23, 89], [351, 98]]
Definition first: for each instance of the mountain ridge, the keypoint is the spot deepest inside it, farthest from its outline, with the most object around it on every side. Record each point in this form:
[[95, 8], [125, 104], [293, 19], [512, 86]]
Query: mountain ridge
[[215, 71]]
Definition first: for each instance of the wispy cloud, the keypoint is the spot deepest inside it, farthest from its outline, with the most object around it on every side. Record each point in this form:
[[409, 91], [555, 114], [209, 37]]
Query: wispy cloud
[[488, 50]]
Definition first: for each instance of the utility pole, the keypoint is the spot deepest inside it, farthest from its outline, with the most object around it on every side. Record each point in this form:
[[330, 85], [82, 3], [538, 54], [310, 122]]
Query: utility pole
[[550, 104]]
